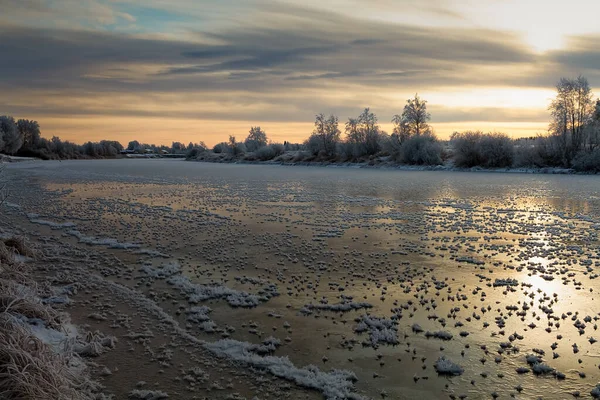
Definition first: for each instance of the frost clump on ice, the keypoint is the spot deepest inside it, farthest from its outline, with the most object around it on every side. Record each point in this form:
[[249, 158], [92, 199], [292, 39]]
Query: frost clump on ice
[[334, 385], [444, 366], [197, 292], [147, 394], [439, 335], [505, 282], [108, 242], [381, 330], [339, 307]]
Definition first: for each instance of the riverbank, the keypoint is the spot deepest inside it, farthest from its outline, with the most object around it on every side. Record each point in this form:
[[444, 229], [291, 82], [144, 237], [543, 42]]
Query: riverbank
[[394, 166]]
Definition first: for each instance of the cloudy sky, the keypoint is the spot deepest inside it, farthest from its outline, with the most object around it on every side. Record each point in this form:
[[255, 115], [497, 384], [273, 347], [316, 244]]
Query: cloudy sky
[[190, 70]]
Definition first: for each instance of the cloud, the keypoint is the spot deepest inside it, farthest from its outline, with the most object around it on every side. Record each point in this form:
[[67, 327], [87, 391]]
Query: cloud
[[269, 61]]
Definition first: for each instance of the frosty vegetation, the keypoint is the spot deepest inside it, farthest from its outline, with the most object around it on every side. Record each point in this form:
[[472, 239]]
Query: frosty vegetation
[[572, 140]]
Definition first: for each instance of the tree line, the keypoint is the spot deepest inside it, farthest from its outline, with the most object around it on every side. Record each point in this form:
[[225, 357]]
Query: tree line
[[572, 140]]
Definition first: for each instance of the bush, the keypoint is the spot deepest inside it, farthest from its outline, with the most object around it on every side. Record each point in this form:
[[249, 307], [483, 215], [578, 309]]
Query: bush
[[237, 149], [265, 153], [314, 144], [194, 153], [496, 150], [544, 151], [465, 149], [220, 148], [588, 161], [278, 148], [491, 150], [421, 150]]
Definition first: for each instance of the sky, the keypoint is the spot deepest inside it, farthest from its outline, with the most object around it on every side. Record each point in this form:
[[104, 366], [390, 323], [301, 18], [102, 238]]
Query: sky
[[188, 70]]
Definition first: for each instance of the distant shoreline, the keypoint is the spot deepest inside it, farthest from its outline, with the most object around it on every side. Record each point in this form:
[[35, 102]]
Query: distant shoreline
[[325, 164], [402, 167]]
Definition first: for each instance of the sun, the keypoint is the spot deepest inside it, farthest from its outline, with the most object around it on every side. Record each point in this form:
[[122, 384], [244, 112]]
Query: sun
[[542, 41]]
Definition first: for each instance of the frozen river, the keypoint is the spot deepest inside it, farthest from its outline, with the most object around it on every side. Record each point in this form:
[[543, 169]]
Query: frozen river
[[422, 284]]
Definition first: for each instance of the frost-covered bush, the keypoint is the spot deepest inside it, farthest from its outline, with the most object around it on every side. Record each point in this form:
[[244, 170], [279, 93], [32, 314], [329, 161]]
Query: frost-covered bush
[[496, 150], [269, 152], [265, 153], [587, 161], [220, 148], [421, 150], [543, 151], [314, 144], [11, 137], [465, 148], [490, 150], [194, 153]]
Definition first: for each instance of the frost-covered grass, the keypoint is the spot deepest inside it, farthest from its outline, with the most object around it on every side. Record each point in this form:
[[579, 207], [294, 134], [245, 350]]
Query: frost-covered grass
[[38, 357], [336, 384]]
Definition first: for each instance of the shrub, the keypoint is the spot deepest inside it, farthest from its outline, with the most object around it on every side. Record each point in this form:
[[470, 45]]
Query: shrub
[[544, 151], [496, 150], [421, 150], [265, 153], [588, 161], [490, 150], [314, 144], [194, 152], [465, 149], [238, 149], [220, 148]]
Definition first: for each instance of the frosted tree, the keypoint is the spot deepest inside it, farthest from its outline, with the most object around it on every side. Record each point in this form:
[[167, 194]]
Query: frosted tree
[[30, 131], [326, 134], [413, 121], [256, 139], [572, 111], [13, 140]]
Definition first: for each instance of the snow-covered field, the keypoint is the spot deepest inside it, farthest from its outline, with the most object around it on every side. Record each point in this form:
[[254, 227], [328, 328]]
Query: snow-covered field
[[342, 283]]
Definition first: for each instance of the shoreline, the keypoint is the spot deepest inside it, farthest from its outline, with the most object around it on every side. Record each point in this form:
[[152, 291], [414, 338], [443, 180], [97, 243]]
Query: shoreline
[[327, 164], [403, 167]]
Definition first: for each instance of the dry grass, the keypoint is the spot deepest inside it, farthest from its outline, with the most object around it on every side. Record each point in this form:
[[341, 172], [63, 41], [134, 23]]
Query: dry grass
[[29, 369], [20, 246]]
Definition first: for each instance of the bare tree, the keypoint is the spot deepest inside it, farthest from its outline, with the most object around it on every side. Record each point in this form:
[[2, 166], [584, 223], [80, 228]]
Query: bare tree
[[572, 111], [413, 121], [256, 139]]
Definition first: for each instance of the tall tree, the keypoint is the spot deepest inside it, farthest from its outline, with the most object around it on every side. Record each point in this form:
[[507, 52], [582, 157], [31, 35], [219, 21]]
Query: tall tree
[[572, 110], [13, 140], [30, 131], [327, 131], [414, 119], [256, 139], [367, 123]]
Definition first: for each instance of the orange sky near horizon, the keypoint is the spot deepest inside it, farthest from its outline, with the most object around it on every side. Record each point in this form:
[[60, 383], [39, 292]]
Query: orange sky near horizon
[[155, 131]]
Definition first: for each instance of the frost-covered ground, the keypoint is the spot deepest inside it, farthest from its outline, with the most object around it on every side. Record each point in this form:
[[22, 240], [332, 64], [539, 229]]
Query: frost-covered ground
[[342, 283]]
